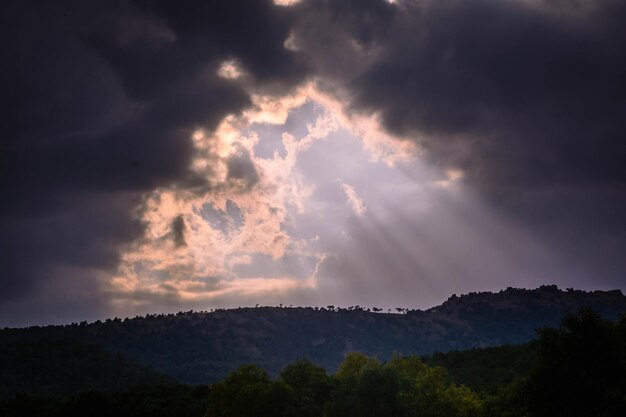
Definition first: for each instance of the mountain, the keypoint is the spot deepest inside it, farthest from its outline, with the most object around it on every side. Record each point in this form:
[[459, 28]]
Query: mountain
[[200, 347]]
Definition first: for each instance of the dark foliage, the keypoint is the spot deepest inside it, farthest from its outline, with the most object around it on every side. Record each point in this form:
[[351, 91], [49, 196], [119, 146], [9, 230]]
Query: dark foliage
[[581, 369], [61, 367], [576, 370], [488, 369], [162, 401]]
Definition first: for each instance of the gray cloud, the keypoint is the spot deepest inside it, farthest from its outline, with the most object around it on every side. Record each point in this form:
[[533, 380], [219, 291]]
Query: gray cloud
[[528, 99], [99, 102], [178, 231], [494, 87], [100, 99], [241, 170]]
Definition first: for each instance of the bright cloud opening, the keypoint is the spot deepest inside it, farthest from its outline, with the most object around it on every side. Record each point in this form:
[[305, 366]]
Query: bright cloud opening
[[271, 223]]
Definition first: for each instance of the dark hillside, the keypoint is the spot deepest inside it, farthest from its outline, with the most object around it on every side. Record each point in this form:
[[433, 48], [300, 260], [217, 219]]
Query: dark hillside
[[206, 346]]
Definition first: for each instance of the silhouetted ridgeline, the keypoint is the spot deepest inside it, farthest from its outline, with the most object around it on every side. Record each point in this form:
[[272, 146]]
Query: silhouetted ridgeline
[[200, 347], [575, 370]]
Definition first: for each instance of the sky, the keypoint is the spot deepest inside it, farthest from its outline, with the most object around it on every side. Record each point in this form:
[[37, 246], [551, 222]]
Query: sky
[[159, 156]]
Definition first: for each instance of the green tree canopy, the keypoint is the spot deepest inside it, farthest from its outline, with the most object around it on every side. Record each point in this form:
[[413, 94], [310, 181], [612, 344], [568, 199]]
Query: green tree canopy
[[249, 392]]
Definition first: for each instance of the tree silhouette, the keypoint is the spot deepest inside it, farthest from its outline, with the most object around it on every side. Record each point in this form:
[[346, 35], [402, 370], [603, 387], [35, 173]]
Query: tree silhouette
[[581, 369]]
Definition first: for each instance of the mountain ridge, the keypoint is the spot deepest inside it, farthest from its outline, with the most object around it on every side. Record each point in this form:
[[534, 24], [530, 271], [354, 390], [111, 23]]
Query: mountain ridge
[[201, 347]]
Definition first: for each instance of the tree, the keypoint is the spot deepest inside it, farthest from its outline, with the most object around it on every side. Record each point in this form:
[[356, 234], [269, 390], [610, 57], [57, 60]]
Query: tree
[[346, 398], [310, 385], [355, 364], [248, 392], [430, 395], [581, 369], [403, 387]]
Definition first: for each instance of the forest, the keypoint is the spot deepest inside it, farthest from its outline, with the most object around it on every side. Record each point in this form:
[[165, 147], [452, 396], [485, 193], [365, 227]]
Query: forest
[[203, 347], [575, 369]]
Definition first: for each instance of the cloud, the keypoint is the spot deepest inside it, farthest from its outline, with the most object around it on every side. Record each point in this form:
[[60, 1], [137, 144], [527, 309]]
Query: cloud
[[546, 95], [485, 86], [237, 229], [178, 231], [524, 98], [241, 169], [101, 102], [354, 200], [132, 168]]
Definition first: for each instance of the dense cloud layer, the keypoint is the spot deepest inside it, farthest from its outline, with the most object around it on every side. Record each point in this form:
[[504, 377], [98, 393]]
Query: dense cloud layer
[[526, 99], [100, 102], [517, 93]]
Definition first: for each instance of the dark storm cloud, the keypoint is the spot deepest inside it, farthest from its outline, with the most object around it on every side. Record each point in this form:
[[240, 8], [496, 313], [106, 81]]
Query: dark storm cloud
[[514, 92], [178, 231], [528, 98], [99, 100], [540, 95], [367, 21], [99, 103]]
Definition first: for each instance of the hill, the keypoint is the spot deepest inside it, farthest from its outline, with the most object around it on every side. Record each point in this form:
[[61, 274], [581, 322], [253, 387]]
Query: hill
[[200, 347]]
